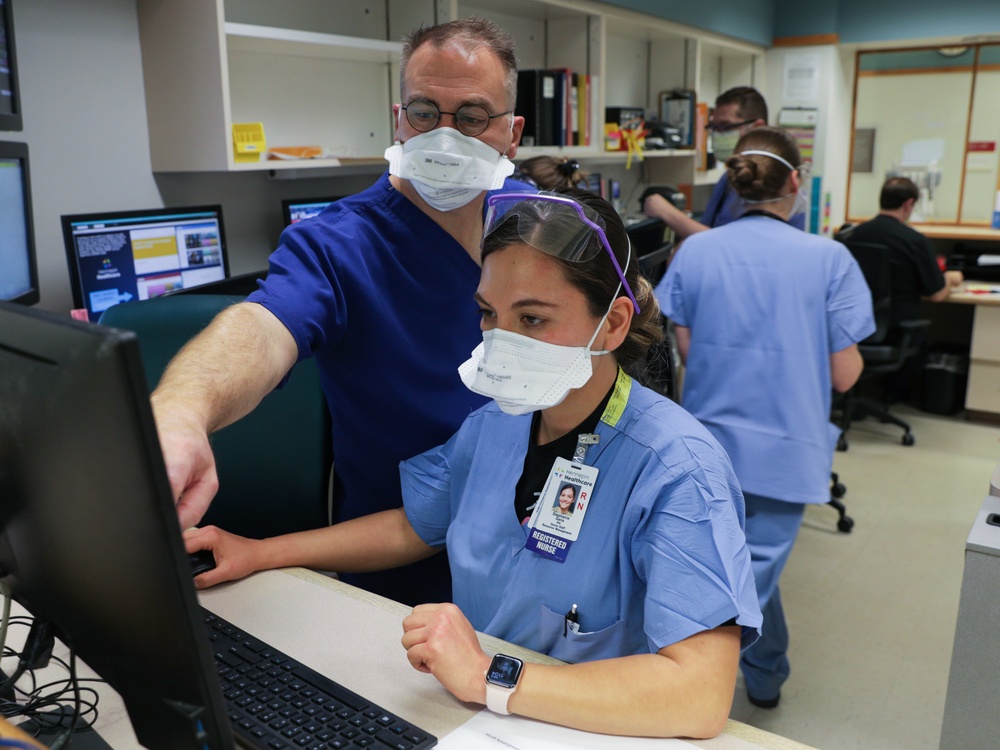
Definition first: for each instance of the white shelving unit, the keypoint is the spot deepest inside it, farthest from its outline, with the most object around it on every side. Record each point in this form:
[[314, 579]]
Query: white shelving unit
[[326, 73]]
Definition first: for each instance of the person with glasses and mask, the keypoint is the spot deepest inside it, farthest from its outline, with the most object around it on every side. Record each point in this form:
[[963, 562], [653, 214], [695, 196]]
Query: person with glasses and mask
[[767, 320], [378, 288], [646, 588], [737, 111]]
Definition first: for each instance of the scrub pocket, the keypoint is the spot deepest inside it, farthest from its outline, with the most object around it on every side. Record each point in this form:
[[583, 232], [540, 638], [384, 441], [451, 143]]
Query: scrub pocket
[[606, 643]]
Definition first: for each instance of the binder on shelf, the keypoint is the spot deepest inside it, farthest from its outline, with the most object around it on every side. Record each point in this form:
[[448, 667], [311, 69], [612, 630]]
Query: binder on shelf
[[536, 91], [584, 109], [574, 110], [560, 133]]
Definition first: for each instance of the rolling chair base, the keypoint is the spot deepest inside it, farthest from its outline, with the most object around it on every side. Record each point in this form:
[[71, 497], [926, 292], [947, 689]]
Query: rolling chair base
[[837, 490], [861, 408]]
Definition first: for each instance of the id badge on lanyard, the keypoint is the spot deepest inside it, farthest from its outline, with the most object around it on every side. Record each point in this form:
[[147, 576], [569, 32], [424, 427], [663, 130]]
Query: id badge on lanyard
[[555, 523]]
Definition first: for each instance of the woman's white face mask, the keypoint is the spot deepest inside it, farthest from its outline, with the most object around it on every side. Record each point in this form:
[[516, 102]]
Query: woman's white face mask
[[523, 374], [448, 169]]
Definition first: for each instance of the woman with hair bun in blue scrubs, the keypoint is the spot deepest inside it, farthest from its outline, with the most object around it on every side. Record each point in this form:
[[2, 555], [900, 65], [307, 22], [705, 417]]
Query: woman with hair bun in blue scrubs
[[646, 586], [767, 321]]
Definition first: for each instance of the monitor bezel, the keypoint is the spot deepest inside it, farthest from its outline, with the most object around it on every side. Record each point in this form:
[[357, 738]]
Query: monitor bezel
[[17, 150], [67, 220], [12, 121]]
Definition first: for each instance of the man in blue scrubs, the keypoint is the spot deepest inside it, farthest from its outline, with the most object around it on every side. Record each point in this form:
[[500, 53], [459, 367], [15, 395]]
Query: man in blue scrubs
[[379, 288], [737, 111]]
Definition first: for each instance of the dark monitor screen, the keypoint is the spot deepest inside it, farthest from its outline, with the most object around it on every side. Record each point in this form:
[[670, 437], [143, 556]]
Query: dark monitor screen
[[125, 255], [595, 184], [89, 538], [10, 99], [18, 269], [650, 248], [297, 209]]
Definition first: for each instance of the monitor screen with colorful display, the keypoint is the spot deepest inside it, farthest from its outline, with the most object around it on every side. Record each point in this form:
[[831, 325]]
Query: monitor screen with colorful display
[[125, 255]]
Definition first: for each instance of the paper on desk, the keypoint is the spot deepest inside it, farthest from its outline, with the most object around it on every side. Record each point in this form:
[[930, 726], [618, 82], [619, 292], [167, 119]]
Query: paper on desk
[[489, 731]]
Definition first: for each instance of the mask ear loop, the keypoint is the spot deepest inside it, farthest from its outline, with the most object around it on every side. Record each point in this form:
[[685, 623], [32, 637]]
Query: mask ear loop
[[614, 298]]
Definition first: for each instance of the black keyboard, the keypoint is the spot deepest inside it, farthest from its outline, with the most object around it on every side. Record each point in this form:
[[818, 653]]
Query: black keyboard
[[276, 703]]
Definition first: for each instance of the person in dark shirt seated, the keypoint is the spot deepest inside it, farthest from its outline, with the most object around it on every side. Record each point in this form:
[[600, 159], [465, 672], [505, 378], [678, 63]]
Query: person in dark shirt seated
[[916, 274]]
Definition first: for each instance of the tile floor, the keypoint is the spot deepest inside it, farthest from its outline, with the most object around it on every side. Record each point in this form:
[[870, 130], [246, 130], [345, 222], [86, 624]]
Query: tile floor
[[872, 613]]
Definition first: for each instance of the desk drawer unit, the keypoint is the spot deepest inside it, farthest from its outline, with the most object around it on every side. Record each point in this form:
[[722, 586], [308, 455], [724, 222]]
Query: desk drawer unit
[[983, 394]]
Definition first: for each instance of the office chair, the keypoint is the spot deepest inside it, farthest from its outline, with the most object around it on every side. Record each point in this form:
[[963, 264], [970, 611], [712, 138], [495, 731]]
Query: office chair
[[275, 464], [658, 371], [653, 264], [882, 355], [837, 490]]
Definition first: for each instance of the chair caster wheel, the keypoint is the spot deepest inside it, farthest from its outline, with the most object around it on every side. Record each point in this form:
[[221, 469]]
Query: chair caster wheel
[[838, 490], [908, 438], [845, 524], [841, 444]]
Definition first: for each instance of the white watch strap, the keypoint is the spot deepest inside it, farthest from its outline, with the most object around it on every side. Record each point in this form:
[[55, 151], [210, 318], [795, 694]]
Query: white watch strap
[[497, 697]]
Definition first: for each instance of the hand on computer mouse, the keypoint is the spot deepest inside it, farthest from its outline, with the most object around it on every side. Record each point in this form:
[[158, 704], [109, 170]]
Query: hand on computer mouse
[[201, 561], [233, 556]]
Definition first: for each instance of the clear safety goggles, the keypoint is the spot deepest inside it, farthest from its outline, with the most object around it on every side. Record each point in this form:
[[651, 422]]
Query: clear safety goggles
[[555, 224]]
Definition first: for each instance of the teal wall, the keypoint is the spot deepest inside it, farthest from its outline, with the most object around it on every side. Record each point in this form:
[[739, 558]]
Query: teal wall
[[749, 20], [887, 20], [759, 21]]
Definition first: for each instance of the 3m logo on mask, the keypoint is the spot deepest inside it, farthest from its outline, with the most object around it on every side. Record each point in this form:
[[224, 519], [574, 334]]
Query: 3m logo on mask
[[448, 169]]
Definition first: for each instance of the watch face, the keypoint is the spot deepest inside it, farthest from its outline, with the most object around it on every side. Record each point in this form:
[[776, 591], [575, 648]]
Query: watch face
[[504, 671]]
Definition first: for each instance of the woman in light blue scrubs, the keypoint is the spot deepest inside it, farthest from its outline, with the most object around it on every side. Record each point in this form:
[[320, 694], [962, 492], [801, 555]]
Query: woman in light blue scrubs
[[646, 586], [767, 319]]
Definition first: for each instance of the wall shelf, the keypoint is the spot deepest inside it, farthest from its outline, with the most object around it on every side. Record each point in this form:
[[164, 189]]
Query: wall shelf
[[326, 74]]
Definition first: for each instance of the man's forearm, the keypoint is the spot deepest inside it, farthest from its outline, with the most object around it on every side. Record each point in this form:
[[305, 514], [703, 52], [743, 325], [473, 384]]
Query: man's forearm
[[225, 371]]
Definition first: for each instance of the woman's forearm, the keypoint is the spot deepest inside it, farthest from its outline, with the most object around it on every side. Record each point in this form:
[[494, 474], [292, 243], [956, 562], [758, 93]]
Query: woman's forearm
[[379, 541], [685, 690]]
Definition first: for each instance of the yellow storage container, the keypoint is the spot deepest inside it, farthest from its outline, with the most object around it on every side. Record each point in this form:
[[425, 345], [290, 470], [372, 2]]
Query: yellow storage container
[[248, 141]]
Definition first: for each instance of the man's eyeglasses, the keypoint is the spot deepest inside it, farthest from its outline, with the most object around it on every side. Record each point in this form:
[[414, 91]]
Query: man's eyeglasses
[[470, 120], [725, 127], [563, 228]]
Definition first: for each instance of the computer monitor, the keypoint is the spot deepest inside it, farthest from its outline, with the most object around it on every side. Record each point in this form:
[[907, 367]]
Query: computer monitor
[[18, 269], [297, 209], [595, 184], [10, 94], [89, 538], [117, 256], [647, 238]]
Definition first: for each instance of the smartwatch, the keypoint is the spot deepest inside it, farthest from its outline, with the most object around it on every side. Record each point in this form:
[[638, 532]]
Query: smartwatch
[[501, 681]]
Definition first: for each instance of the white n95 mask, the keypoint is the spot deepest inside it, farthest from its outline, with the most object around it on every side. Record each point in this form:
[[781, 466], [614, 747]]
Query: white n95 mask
[[523, 374], [448, 169]]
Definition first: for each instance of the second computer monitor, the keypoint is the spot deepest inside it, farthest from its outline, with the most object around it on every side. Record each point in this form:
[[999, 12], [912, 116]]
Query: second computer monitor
[[118, 256], [297, 209]]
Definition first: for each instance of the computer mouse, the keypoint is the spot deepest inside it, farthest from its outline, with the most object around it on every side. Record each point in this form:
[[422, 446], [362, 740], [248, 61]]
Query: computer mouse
[[201, 561]]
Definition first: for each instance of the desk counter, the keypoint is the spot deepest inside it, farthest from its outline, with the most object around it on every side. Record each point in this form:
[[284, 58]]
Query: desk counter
[[958, 232], [354, 637], [982, 397]]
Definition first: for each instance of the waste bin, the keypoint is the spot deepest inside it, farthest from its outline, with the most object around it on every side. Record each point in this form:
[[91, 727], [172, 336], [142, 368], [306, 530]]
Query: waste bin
[[944, 378]]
